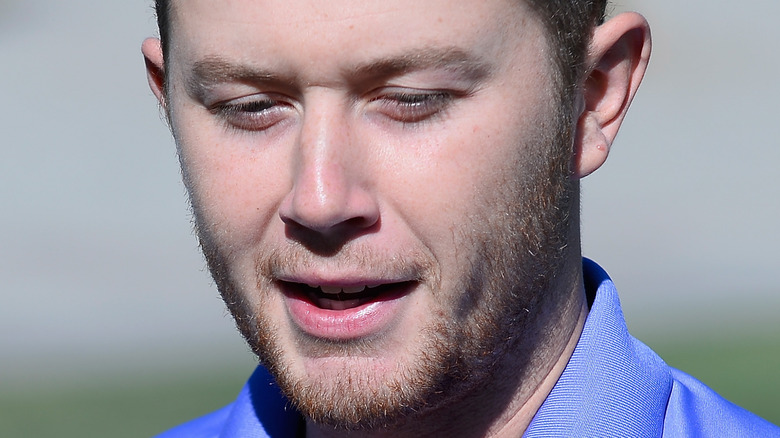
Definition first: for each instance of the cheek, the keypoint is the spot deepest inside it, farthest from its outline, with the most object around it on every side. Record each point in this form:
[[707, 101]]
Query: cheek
[[468, 177], [234, 185], [446, 192], [461, 169]]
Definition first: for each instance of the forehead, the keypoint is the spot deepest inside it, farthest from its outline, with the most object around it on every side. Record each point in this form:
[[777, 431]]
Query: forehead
[[316, 34]]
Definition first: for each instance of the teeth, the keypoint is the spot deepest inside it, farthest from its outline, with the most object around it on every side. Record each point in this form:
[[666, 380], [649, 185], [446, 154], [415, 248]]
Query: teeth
[[331, 289], [334, 290], [354, 289]]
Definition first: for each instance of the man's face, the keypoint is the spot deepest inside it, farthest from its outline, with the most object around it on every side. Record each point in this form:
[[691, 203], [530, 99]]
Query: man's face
[[377, 190]]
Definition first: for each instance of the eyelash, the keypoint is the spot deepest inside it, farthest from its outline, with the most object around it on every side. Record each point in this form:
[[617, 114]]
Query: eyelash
[[413, 107], [261, 113], [257, 114]]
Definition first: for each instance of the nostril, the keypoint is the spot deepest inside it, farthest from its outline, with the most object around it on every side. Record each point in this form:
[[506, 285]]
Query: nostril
[[361, 222], [353, 210], [330, 241]]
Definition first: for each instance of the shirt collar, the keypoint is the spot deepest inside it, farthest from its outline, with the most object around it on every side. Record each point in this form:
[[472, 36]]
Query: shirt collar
[[613, 384], [262, 411]]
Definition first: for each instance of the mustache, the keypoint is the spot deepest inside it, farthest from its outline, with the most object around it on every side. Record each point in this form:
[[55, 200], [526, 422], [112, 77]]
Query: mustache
[[353, 260]]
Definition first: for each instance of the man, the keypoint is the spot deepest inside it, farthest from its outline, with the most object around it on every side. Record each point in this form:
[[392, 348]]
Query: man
[[387, 196]]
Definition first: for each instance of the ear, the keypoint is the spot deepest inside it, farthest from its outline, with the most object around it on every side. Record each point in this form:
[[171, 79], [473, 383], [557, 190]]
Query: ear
[[155, 68], [617, 60]]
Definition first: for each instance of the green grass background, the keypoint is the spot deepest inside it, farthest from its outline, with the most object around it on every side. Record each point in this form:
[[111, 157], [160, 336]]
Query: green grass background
[[743, 369]]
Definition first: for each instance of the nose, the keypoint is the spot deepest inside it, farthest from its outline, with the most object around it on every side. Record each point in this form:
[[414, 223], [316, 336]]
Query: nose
[[331, 196]]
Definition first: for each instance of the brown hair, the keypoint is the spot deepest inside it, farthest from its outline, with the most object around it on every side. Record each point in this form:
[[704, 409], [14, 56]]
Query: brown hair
[[569, 25]]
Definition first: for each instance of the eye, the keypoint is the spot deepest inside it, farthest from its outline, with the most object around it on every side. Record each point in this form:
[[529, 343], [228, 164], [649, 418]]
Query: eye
[[411, 106], [252, 113]]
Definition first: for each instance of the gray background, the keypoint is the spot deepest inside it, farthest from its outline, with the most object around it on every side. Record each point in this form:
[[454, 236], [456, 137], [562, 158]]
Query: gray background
[[100, 272]]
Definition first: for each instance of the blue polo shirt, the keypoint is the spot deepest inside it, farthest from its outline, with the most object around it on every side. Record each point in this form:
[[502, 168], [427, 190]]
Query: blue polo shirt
[[613, 386]]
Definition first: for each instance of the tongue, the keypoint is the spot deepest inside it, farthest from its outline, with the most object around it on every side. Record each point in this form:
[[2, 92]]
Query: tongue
[[337, 304]]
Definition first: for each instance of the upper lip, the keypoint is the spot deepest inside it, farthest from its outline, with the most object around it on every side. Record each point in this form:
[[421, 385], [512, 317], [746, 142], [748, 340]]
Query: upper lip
[[345, 284]]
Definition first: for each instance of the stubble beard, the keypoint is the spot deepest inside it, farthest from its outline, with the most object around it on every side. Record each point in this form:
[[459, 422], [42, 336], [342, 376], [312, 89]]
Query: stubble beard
[[497, 307]]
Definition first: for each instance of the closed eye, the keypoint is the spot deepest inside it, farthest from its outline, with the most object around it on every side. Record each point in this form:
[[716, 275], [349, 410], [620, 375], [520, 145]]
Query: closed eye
[[252, 113], [413, 106]]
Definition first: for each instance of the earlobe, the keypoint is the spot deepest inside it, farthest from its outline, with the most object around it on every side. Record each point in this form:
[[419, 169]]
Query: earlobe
[[592, 145], [155, 68], [617, 60]]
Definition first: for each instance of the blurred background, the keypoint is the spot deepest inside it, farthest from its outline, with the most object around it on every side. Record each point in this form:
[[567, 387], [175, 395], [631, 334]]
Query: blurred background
[[109, 322]]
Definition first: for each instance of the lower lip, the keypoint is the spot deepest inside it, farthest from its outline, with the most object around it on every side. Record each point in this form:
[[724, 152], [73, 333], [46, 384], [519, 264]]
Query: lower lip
[[341, 325]]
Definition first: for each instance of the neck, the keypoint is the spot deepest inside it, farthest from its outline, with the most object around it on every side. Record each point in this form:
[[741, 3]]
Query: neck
[[516, 424], [504, 406]]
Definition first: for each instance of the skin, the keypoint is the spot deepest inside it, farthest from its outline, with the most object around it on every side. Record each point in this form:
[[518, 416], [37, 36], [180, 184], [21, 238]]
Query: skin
[[411, 144]]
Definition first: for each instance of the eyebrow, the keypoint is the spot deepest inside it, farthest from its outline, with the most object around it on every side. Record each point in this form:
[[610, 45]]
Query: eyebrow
[[213, 70], [451, 58]]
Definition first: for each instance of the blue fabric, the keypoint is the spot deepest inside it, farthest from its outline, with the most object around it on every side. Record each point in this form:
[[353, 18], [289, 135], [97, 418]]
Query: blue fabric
[[259, 411], [613, 386]]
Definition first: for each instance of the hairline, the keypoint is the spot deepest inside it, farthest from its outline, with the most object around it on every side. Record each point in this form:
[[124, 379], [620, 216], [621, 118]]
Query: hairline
[[566, 59]]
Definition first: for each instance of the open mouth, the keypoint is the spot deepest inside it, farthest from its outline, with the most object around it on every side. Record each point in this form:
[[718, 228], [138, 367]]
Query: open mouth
[[345, 297]]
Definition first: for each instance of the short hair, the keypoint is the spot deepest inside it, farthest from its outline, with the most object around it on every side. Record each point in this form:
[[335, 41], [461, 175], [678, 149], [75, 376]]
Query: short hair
[[569, 25]]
